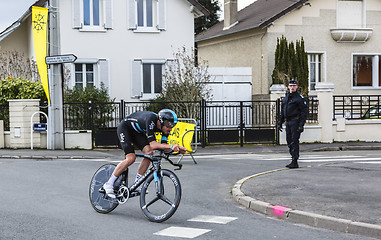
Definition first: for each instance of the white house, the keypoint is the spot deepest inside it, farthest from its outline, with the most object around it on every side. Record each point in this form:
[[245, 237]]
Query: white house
[[121, 43]]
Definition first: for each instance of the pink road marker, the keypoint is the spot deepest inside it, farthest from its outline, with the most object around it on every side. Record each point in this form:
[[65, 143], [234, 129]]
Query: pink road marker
[[279, 210]]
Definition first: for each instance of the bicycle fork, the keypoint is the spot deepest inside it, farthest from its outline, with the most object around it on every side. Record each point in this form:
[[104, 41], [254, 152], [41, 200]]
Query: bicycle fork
[[158, 179]]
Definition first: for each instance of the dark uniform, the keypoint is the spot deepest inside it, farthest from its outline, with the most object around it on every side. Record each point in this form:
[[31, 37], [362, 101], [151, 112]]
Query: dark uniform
[[138, 128], [294, 111]]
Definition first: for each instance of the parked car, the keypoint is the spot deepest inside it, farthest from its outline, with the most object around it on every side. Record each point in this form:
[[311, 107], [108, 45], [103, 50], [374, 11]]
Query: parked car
[[372, 112]]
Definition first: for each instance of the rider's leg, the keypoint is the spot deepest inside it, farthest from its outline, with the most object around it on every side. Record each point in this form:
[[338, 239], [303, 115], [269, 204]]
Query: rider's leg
[[147, 150], [120, 168], [144, 165]]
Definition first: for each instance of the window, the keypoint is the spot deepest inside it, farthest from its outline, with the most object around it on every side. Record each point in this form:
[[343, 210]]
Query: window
[[84, 75], [146, 15], [351, 14], [315, 70], [152, 78], [366, 71], [88, 73], [91, 12], [92, 15], [147, 78]]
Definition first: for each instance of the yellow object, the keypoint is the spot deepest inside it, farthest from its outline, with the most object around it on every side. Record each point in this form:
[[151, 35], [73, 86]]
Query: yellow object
[[40, 30], [181, 134]]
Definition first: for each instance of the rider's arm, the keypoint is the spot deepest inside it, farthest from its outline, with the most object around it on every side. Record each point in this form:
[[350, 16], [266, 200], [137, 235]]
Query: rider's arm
[[167, 147]]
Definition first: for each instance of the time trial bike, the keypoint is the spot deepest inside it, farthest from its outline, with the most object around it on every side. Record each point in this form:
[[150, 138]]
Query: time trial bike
[[160, 193]]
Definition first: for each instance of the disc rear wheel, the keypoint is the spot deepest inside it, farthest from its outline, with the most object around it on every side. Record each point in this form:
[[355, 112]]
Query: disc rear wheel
[[98, 199]]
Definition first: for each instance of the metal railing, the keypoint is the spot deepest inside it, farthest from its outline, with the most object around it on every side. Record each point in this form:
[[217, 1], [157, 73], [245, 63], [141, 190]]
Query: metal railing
[[354, 106], [4, 115], [241, 116]]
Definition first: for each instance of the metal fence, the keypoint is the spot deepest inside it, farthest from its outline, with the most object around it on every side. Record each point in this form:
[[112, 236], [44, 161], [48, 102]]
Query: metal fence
[[235, 122], [4, 115], [94, 116], [356, 106]]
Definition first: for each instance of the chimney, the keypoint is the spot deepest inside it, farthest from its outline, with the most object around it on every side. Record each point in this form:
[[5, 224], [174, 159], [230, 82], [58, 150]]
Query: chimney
[[230, 13]]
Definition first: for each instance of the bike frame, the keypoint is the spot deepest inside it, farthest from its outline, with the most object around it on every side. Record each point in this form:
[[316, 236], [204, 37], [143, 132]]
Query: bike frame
[[155, 169]]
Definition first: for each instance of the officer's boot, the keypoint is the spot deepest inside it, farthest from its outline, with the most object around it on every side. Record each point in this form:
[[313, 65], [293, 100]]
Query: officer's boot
[[293, 164]]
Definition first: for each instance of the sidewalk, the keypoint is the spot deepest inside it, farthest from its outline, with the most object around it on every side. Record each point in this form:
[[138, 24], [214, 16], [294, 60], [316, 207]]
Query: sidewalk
[[342, 197]]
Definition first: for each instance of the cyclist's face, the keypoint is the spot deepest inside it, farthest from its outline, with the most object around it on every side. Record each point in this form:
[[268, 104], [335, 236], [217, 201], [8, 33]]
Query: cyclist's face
[[166, 129]]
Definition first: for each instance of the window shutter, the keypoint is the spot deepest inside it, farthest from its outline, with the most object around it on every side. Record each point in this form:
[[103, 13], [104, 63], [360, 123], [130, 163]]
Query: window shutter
[[161, 14], [76, 14], [132, 11], [104, 73], [136, 79], [108, 14]]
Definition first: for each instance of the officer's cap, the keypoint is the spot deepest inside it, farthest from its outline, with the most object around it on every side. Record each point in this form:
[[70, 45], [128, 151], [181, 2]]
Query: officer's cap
[[293, 81]]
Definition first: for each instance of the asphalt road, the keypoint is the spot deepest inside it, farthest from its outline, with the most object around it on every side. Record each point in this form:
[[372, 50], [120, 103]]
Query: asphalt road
[[48, 199]]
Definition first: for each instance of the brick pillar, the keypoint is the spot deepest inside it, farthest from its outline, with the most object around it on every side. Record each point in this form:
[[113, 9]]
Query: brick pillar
[[20, 112], [325, 97]]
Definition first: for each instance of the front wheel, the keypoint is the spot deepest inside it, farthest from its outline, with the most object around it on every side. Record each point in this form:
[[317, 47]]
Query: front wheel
[[160, 196], [98, 199]]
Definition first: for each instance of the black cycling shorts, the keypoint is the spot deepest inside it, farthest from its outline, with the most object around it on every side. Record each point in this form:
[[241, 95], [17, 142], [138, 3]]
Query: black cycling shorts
[[128, 138]]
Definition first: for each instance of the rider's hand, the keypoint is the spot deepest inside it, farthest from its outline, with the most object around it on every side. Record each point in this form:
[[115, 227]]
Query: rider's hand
[[177, 148], [183, 150]]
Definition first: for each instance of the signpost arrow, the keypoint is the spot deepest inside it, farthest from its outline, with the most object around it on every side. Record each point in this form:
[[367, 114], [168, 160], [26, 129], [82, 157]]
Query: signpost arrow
[[67, 58]]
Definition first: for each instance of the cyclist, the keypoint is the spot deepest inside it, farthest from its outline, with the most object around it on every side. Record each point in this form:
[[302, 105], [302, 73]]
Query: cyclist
[[138, 129]]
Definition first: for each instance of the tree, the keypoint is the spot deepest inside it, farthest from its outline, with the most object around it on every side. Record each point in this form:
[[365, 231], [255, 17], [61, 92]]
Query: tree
[[15, 65], [185, 84], [291, 62], [19, 88], [88, 107], [205, 22]]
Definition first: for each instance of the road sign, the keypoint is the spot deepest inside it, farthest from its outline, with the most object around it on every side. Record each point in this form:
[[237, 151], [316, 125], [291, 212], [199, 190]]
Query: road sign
[[40, 127], [67, 58]]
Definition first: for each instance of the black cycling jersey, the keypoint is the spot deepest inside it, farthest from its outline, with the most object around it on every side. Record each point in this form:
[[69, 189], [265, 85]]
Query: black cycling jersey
[[138, 128]]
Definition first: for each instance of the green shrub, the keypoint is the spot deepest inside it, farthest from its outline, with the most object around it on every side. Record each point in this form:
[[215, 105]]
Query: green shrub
[[88, 108]]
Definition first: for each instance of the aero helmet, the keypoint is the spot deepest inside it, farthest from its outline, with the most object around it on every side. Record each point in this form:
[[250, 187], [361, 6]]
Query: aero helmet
[[167, 118]]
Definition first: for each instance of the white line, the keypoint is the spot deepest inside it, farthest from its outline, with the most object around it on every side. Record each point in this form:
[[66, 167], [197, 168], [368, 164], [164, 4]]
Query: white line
[[182, 232], [376, 162], [212, 219], [341, 160]]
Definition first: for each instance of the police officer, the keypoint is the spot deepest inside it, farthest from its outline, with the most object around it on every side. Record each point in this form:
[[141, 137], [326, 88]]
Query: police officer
[[294, 111]]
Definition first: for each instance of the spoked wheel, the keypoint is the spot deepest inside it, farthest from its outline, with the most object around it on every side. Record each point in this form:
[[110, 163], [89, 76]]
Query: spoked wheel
[[160, 203], [98, 198]]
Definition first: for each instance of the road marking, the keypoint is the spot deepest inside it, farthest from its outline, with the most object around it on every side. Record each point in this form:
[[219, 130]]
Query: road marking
[[375, 162], [212, 219], [182, 232], [340, 159]]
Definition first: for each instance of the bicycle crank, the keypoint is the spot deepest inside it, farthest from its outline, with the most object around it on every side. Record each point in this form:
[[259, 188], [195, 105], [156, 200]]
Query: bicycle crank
[[123, 195]]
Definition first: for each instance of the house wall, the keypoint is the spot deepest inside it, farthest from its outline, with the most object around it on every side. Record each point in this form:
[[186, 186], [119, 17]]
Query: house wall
[[21, 40], [314, 24], [241, 50], [121, 46]]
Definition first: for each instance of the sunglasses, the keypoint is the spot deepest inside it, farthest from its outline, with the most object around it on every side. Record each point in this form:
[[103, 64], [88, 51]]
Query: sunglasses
[[169, 124]]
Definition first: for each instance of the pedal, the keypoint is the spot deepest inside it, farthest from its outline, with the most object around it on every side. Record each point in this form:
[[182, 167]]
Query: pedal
[[102, 190]]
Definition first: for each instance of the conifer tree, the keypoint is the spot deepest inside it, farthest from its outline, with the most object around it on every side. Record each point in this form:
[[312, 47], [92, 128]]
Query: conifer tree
[[291, 62]]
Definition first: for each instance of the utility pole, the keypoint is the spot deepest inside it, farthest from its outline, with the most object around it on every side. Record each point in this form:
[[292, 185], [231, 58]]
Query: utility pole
[[55, 110]]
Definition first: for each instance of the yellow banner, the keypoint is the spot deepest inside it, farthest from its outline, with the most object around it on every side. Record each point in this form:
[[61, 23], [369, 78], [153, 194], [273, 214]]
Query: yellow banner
[[40, 25], [181, 134]]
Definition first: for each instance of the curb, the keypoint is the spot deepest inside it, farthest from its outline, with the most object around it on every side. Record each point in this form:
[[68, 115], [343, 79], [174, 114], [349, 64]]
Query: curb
[[301, 217]]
